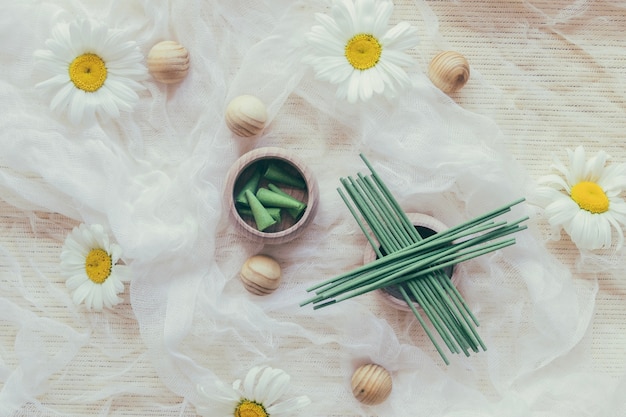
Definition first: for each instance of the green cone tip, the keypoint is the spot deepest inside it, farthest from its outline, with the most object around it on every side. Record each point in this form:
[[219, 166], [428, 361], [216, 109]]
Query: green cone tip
[[262, 218], [277, 174], [272, 199], [296, 213]]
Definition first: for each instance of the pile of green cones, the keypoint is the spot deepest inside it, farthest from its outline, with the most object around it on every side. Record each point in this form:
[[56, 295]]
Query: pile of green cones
[[265, 195]]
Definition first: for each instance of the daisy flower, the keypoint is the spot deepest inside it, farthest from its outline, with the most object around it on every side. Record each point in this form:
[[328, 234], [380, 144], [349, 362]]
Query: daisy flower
[[93, 70], [89, 262], [353, 48], [256, 396], [585, 199]]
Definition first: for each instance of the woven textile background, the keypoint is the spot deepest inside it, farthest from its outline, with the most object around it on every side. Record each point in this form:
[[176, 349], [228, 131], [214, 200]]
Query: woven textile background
[[546, 76]]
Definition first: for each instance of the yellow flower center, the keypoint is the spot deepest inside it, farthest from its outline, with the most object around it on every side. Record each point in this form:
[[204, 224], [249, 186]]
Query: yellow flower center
[[98, 265], [590, 196], [363, 51], [247, 408], [88, 72]]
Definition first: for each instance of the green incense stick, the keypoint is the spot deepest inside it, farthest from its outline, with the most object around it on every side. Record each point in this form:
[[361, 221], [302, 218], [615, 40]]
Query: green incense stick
[[413, 264], [427, 330]]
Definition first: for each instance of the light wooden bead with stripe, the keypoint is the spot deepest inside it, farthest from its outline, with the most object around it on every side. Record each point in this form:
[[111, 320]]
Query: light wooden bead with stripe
[[260, 274], [246, 115], [371, 384], [449, 71], [168, 62]]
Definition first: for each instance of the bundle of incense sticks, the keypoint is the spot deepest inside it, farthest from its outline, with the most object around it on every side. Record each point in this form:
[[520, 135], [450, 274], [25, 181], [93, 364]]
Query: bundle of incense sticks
[[415, 265]]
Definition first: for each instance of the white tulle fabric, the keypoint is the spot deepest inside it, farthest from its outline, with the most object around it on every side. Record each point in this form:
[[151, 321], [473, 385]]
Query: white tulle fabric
[[154, 178]]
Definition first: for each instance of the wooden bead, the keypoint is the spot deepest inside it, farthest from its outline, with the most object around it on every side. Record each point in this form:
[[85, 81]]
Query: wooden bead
[[246, 116], [168, 62], [449, 71], [260, 274], [371, 384]]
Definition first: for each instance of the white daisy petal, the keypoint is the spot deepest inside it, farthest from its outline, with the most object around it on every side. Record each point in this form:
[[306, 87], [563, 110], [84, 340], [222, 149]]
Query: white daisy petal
[[365, 12], [94, 280], [222, 393], [618, 209], [334, 70], [365, 86], [613, 178], [82, 292], [401, 36], [72, 245], [396, 57], [63, 97], [124, 96], [99, 237], [619, 232], [275, 387], [73, 261], [356, 32], [353, 86], [75, 281], [96, 299], [261, 386], [77, 107], [334, 31], [577, 164], [384, 9], [109, 294], [324, 43], [249, 381], [595, 166], [258, 393], [561, 168], [344, 14], [123, 273], [289, 406], [78, 92], [590, 210], [555, 180], [586, 230], [561, 211], [376, 80], [396, 73]]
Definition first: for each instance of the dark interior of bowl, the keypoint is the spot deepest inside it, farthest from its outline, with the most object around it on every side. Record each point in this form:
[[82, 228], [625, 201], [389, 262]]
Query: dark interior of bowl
[[287, 219], [393, 289]]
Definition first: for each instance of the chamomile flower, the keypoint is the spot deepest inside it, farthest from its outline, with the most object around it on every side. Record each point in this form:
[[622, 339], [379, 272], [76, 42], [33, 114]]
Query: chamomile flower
[[585, 199], [354, 48], [257, 396], [93, 70], [90, 264]]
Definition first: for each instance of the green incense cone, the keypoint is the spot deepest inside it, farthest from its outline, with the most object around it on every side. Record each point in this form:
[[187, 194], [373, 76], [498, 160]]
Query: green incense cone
[[277, 174], [262, 218], [252, 184], [296, 213], [275, 212], [271, 199]]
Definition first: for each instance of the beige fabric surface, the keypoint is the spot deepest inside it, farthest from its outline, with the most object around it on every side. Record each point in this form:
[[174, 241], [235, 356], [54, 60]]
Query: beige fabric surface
[[549, 74]]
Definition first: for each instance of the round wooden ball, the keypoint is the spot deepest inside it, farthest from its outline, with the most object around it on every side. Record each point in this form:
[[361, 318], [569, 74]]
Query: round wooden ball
[[449, 71], [168, 62], [246, 115], [371, 384], [260, 274]]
